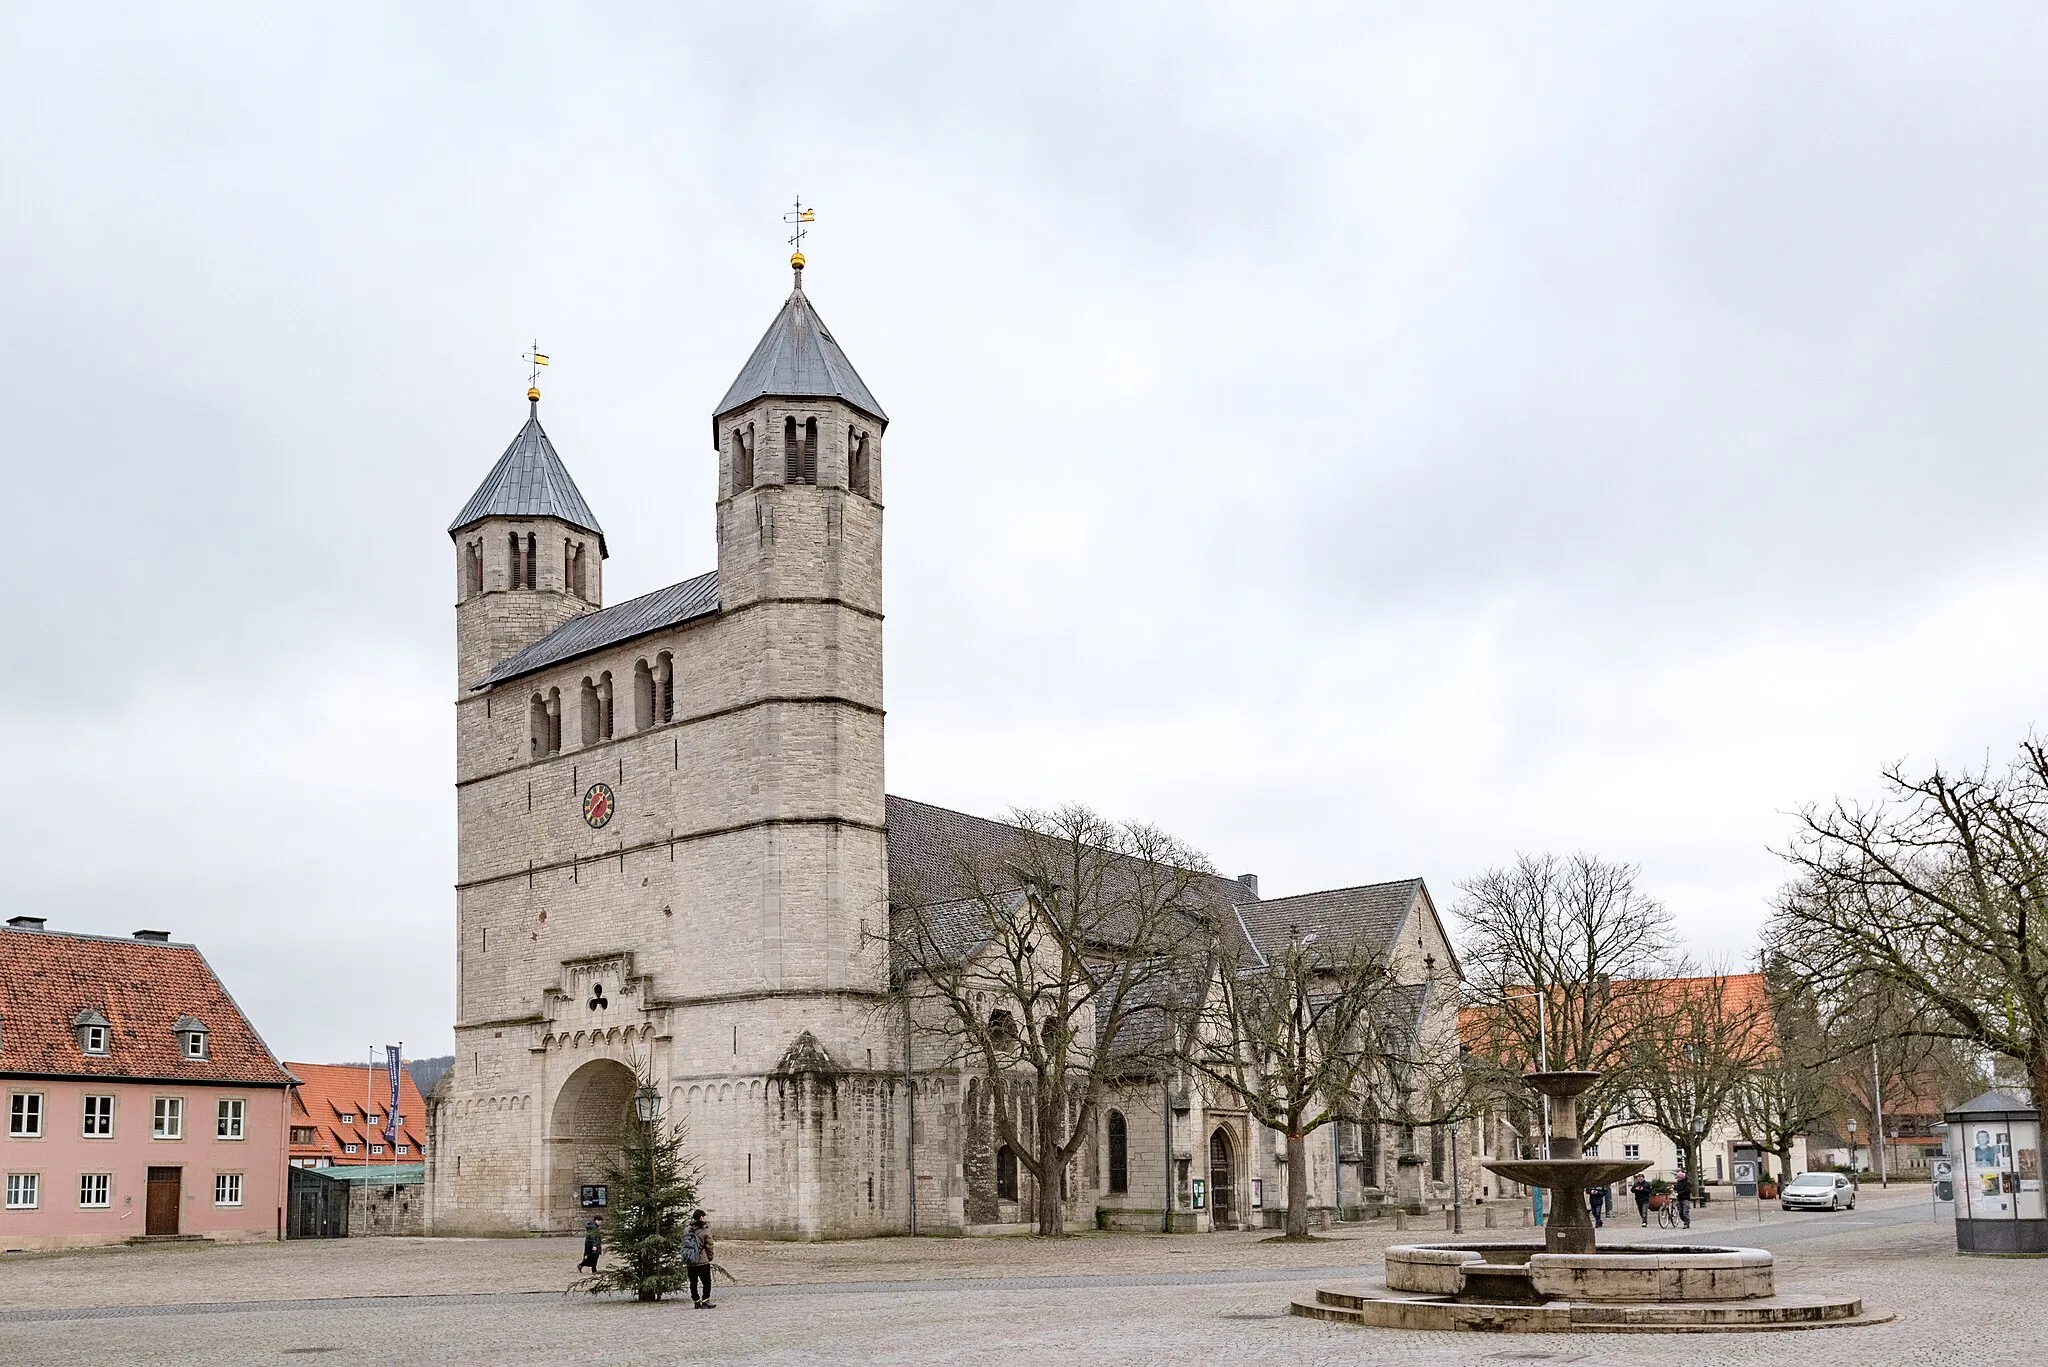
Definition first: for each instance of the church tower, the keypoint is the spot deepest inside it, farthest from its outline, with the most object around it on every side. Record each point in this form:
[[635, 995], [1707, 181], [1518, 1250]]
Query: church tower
[[529, 554], [670, 857]]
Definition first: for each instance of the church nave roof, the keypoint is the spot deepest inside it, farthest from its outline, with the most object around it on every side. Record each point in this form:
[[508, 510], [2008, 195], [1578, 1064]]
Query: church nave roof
[[654, 611]]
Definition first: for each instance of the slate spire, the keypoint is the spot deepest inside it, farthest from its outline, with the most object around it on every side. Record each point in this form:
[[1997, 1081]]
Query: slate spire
[[529, 480], [798, 359]]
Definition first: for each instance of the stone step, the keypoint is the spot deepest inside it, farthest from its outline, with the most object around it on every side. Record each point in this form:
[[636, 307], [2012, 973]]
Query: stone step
[[1372, 1307]]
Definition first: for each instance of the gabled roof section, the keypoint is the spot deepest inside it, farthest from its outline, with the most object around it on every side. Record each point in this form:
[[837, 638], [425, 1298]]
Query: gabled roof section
[[530, 480], [328, 1091], [144, 990], [672, 606], [798, 359], [1376, 911]]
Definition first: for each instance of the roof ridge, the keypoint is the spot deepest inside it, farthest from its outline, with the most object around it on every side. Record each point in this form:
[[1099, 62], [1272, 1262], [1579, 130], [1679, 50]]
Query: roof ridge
[[1328, 892]]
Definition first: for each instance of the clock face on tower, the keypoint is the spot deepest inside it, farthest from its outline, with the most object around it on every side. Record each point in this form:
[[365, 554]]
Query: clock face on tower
[[598, 805]]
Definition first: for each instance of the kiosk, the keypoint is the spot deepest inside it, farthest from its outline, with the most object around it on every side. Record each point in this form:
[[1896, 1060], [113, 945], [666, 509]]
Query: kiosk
[[1994, 1149]]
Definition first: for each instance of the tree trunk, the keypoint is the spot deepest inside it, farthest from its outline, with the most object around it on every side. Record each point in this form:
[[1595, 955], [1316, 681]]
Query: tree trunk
[[1297, 1186], [1785, 1173], [1049, 1212], [2037, 1075]]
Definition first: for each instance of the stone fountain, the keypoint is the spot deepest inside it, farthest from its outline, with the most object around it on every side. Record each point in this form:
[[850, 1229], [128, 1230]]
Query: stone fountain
[[1567, 1283]]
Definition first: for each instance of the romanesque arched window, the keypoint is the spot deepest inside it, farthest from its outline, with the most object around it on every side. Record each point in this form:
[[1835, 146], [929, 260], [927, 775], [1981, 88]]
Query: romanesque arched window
[[1119, 1152], [1006, 1174], [586, 712], [474, 566], [664, 687], [572, 567], [554, 721], [643, 696], [604, 705], [857, 462], [792, 454], [538, 725], [517, 576], [743, 458], [809, 474]]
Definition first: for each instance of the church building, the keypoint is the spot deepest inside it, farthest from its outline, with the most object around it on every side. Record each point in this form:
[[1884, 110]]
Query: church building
[[673, 862]]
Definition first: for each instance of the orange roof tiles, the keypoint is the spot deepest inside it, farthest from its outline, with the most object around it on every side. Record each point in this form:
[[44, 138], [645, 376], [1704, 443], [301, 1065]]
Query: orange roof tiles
[[329, 1091], [142, 988]]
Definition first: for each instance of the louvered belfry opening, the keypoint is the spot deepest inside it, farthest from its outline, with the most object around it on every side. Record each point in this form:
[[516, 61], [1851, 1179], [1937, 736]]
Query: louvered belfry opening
[[792, 456], [810, 462], [743, 458], [857, 461]]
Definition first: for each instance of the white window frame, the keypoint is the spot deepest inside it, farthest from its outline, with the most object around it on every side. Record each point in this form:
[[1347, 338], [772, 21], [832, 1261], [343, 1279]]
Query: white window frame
[[167, 1118], [86, 1116], [86, 1183], [348, 1148], [230, 1120], [402, 1149], [1631, 1150], [24, 1115], [195, 1044], [92, 1039], [227, 1189], [24, 1190], [376, 1148]]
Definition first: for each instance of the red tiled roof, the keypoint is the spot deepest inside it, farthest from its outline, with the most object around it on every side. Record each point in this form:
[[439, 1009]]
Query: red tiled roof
[[142, 987], [329, 1091], [1744, 996]]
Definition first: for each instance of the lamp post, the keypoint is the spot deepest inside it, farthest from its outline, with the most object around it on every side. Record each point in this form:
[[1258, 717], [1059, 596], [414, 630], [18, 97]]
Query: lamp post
[[1852, 1145]]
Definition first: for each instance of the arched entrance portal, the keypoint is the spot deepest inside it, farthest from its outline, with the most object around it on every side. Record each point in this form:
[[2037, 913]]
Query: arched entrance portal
[[1222, 1182], [589, 1116]]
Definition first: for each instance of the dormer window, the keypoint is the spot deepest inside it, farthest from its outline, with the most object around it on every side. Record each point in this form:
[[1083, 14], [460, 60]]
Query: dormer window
[[191, 1037], [93, 1034]]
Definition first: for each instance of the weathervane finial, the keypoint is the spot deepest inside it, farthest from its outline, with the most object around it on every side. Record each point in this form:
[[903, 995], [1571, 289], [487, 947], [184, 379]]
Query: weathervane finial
[[798, 216], [536, 360]]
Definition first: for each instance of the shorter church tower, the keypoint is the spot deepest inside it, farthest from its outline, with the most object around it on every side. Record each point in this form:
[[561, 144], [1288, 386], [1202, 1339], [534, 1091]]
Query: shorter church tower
[[529, 554]]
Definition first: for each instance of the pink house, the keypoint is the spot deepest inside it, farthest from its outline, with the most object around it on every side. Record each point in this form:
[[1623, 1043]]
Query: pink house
[[140, 1101]]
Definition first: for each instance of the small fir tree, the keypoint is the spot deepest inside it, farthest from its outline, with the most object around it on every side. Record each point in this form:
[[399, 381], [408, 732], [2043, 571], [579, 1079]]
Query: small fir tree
[[653, 1188]]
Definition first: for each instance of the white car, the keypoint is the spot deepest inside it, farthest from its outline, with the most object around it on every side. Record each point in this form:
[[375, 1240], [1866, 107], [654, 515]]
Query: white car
[[1817, 1191]]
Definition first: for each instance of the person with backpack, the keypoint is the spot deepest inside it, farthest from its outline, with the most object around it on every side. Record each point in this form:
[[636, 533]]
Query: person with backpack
[[1681, 1192], [697, 1256]]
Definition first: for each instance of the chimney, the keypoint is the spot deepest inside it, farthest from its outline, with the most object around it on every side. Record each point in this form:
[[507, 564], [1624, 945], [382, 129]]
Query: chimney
[[155, 937], [27, 922], [1250, 881]]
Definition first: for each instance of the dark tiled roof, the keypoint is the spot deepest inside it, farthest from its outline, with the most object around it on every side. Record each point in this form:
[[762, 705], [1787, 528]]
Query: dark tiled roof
[[142, 988], [797, 359], [667, 607], [529, 480], [1376, 911]]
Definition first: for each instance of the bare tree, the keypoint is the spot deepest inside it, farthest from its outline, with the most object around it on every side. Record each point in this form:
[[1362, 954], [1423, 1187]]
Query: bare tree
[[1318, 1031], [1933, 901], [1545, 941], [1692, 1047], [1786, 1094], [1042, 966]]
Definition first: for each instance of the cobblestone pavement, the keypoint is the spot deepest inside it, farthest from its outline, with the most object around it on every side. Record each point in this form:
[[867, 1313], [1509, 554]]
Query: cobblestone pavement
[[1120, 1299]]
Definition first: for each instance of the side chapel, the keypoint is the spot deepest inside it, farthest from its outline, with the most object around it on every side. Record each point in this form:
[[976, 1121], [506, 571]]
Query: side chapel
[[674, 855]]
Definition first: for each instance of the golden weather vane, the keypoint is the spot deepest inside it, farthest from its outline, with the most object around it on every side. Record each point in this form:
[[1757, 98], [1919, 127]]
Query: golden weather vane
[[536, 359], [798, 216]]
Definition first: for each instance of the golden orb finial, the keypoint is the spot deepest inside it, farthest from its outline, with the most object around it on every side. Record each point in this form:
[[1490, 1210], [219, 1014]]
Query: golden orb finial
[[796, 259], [533, 396]]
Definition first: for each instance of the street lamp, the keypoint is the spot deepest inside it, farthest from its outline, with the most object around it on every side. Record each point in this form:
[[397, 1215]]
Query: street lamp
[[647, 1104], [1852, 1143]]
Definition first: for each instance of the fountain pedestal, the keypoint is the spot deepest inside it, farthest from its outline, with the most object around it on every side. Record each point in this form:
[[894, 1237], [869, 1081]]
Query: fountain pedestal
[[1567, 1225]]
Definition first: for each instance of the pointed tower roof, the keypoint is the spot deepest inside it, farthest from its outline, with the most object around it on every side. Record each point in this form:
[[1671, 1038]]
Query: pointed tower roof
[[530, 480], [798, 359]]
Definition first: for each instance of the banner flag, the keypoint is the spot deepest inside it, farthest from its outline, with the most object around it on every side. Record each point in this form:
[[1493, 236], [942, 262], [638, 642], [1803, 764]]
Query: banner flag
[[391, 1112]]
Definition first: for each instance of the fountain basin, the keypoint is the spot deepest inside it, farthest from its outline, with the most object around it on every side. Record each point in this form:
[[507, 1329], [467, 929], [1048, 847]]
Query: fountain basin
[[1495, 1273]]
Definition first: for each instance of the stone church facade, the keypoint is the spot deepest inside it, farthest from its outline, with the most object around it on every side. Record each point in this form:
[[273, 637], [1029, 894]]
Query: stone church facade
[[673, 853]]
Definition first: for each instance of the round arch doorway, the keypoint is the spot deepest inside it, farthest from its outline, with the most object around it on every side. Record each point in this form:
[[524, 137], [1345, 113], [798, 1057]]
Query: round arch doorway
[[584, 1128], [1223, 1213]]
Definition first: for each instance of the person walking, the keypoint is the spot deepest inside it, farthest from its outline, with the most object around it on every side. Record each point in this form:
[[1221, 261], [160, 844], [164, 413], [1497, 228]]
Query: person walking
[[1596, 1204], [593, 1247], [697, 1255], [1681, 1192], [1640, 1189]]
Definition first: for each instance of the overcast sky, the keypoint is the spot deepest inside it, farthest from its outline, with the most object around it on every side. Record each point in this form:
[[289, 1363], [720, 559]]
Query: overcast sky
[[1366, 441]]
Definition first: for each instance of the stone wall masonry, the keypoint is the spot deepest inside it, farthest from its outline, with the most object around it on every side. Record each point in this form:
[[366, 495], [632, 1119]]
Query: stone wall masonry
[[501, 621]]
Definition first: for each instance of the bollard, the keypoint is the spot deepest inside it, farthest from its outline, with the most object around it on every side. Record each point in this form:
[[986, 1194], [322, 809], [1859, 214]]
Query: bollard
[[1491, 1223], [1400, 1220], [1450, 1219]]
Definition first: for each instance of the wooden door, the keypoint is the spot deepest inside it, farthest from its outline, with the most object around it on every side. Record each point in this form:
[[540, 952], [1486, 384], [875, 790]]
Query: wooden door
[[1222, 1182], [161, 1214]]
